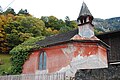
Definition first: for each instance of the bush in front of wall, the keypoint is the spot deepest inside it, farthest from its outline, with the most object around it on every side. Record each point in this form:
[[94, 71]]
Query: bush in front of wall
[[21, 53]]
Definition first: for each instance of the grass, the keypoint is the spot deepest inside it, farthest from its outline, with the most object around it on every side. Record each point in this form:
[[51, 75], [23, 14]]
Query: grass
[[6, 65]]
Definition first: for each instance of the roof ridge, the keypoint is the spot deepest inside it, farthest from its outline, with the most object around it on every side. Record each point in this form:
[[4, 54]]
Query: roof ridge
[[63, 33]]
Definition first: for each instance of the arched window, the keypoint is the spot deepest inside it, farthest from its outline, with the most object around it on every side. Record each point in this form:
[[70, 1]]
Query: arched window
[[42, 61]]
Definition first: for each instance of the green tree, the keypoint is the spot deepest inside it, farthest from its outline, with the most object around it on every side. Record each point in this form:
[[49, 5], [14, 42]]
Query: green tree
[[67, 21], [49, 31], [25, 12], [21, 27], [10, 11], [53, 22], [65, 29], [71, 24]]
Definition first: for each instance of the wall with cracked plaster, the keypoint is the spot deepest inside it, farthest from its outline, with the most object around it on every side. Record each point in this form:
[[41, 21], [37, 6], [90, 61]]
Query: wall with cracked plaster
[[68, 58]]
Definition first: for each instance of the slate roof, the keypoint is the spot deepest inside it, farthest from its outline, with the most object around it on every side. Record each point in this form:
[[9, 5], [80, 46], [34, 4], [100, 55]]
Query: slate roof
[[65, 37], [59, 38]]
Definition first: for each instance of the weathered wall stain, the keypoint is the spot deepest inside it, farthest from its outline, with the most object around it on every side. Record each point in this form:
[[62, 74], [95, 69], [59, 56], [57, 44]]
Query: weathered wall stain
[[69, 57], [69, 51]]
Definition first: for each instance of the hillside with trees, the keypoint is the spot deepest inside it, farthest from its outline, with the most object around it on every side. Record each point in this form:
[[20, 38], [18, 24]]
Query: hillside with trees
[[22, 30], [107, 25], [15, 28]]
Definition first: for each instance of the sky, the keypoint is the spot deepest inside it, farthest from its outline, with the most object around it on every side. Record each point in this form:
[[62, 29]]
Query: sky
[[61, 8]]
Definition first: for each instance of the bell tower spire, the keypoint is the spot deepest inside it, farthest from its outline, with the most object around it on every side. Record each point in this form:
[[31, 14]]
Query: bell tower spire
[[85, 26], [84, 15]]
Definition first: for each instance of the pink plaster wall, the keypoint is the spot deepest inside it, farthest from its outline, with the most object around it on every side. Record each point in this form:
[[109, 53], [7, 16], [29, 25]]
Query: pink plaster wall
[[31, 65], [60, 56]]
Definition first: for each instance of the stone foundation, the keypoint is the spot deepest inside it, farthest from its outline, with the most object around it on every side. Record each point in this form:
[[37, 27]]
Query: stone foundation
[[110, 73]]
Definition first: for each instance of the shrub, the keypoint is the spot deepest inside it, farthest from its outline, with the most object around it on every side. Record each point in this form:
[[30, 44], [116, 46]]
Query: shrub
[[21, 52]]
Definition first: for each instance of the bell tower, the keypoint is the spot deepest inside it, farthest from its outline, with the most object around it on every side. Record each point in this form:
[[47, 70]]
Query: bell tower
[[85, 26]]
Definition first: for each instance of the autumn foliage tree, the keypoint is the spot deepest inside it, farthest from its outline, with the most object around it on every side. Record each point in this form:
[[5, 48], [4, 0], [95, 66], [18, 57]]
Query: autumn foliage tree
[[22, 27], [3, 41], [15, 28]]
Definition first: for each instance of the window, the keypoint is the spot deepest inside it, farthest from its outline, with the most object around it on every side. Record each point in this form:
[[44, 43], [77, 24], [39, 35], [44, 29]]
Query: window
[[42, 61]]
